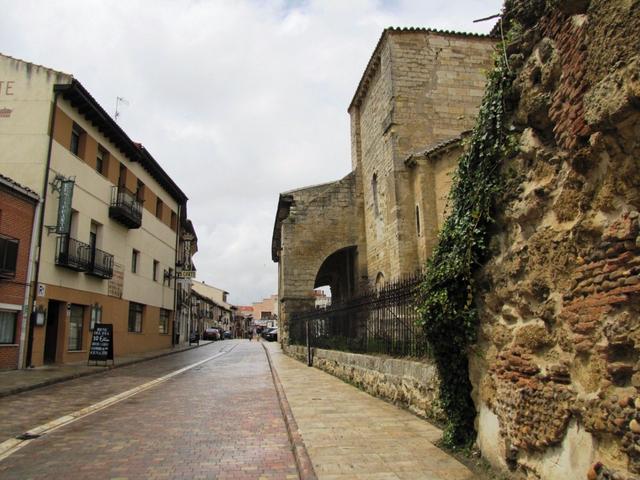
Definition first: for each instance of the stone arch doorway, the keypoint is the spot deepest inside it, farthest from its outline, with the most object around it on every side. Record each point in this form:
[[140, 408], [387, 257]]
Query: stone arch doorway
[[338, 272]]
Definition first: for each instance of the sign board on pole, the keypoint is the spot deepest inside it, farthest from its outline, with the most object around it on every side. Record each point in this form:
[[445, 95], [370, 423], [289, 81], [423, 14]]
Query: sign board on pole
[[101, 349]]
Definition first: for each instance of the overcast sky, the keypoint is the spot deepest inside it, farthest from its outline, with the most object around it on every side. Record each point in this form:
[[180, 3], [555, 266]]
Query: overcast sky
[[238, 100]]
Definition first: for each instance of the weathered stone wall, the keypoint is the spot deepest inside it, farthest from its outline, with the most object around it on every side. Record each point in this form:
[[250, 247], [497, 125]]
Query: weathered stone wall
[[430, 177], [410, 384], [423, 87], [320, 220], [556, 368]]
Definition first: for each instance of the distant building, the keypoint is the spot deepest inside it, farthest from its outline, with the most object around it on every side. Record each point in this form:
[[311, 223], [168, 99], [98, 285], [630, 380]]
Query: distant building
[[322, 300], [18, 207], [210, 308], [265, 312]]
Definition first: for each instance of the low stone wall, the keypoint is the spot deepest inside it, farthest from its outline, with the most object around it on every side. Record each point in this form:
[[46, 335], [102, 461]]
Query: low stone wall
[[411, 384]]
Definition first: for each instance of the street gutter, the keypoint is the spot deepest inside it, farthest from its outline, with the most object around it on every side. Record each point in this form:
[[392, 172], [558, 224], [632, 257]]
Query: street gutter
[[299, 449]]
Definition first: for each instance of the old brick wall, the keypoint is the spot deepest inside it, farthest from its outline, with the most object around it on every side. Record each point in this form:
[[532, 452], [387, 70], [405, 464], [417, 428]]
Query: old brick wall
[[422, 87], [16, 220], [556, 369]]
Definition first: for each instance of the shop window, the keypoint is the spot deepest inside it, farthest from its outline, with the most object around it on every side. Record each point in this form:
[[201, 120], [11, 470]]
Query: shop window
[[136, 311], [163, 326], [8, 322], [76, 318]]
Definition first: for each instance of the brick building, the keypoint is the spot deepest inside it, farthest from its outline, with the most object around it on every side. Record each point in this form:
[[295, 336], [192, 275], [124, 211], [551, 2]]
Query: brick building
[[18, 207], [419, 93], [108, 233]]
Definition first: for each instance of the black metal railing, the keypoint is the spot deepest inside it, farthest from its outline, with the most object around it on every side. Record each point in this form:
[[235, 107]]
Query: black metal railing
[[378, 321], [73, 254], [101, 264], [125, 207]]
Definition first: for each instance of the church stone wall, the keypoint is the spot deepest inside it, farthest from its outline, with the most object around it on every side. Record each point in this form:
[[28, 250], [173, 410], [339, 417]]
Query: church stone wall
[[424, 87]]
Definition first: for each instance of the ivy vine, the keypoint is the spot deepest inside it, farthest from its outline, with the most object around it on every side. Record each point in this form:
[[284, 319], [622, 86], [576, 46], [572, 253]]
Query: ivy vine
[[447, 311]]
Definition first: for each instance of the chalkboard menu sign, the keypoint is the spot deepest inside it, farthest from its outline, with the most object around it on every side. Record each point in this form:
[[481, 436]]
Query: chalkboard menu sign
[[101, 343]]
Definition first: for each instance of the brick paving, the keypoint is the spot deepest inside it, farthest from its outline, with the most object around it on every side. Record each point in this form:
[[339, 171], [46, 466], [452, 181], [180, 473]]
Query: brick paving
[[25, 410], [15, 381], [351, 435], [219, 420]]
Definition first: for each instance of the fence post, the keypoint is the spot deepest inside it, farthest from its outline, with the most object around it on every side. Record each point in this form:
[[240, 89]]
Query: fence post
[[309, 359]]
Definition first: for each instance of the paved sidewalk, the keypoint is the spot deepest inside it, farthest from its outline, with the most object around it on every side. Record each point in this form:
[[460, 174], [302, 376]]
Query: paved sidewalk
[[16, 381], [352, 435]]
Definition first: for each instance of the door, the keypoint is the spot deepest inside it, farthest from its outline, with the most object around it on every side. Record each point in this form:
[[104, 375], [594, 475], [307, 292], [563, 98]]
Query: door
[[51, 332]]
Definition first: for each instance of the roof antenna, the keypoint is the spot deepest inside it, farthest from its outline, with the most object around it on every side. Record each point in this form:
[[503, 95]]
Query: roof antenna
[[120, 100]]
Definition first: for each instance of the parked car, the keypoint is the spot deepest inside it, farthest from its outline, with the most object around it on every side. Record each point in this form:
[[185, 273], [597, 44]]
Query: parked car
[[227, 335], [211, 334], [270, 334]]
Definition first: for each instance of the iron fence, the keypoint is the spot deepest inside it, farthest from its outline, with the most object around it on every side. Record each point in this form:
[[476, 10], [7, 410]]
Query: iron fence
[[378, 321]]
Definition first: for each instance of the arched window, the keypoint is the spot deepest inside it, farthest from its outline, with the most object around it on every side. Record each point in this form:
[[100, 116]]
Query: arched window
[[418, 219], [374, 190], [379, 280]]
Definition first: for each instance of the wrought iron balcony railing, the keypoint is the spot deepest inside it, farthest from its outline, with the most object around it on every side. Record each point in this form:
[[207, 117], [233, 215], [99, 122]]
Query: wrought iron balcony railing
[[101, 264], [73, 254], [125, 207]]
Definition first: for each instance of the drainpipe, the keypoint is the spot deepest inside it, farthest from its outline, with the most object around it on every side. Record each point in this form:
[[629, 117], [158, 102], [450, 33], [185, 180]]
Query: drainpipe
[[175, 281], [26, 310], [45, 188]]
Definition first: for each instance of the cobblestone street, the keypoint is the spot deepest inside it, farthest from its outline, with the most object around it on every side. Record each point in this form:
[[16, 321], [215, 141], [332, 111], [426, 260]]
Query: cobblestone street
[[220, 419]]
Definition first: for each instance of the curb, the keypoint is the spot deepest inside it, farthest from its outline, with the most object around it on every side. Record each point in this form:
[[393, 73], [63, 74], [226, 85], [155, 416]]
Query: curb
[[300, 454], [73, 376]]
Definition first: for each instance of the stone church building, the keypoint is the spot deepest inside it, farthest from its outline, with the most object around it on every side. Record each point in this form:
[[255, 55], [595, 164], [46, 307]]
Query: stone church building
[[416, 100]]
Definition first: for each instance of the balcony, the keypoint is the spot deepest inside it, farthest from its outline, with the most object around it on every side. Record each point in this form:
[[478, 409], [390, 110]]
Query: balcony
[[125, 207], [73, 254], [101, 265]]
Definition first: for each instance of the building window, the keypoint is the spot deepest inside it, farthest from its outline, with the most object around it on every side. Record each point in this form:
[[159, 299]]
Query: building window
[[159, 208], [140, 191], [135, 257], [76, 318], [156, 264], [8, 322], [122, 176], [418, 219], [163, 326], [102, 159], [8, 256], [76, 135], [135, 317], [174, 221], [374, 190]]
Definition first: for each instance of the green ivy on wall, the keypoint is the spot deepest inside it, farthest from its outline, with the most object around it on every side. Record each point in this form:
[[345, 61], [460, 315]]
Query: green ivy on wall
[[446, 306]]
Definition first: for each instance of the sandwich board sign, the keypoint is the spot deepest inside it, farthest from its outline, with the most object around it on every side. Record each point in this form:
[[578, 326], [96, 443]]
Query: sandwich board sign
[[101, 349]]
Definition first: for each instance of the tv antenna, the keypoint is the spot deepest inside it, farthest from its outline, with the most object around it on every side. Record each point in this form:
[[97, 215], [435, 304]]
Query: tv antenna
[[120, 100]]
